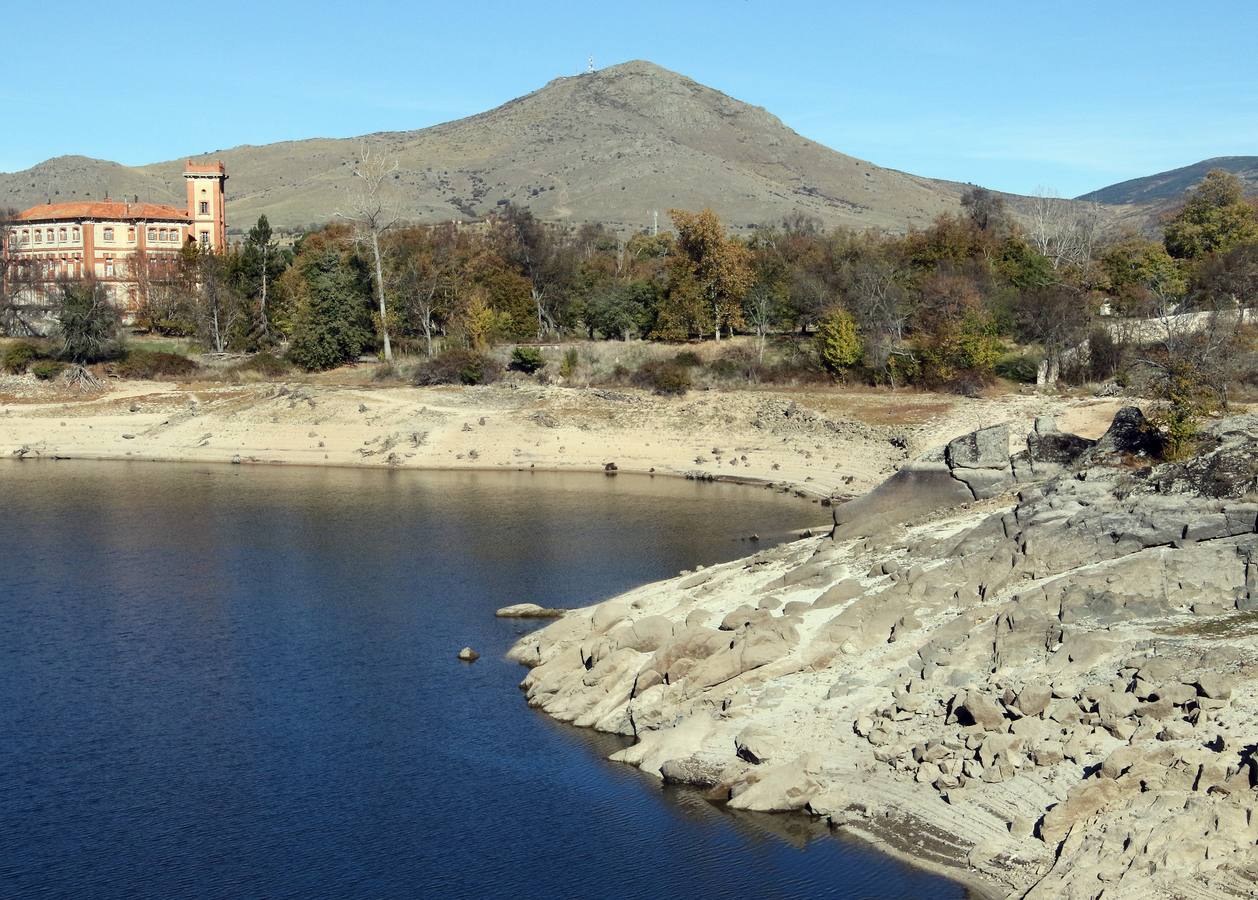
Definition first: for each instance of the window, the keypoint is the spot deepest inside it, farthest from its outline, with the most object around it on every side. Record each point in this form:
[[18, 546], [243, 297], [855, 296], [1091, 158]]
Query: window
[[152, 234], [109, 267], [131, 234], [62, 236], [76, 234], [205, 239], [164, 234], [39, 236], [26, 235], [205, 208], [109, 234]]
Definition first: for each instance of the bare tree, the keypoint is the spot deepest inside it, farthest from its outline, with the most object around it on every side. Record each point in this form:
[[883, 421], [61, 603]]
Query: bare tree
[[1064, 231], [372, 213], [874, 295], [760, 312], [219, 309]]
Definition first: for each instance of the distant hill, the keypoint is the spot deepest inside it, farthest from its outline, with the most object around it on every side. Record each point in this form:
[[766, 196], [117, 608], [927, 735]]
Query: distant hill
[[1172, 185], [608, 146]]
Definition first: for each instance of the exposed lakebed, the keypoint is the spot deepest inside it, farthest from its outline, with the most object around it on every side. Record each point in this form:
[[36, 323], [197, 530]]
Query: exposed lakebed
[[225, 681]]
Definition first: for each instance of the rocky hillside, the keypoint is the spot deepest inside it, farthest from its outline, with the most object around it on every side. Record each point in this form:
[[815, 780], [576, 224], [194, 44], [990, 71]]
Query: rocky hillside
[[1039, 674], [609, 146]]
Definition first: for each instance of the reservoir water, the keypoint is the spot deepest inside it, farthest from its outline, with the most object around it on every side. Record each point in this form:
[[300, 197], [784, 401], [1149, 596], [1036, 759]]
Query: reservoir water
[[241, 682]]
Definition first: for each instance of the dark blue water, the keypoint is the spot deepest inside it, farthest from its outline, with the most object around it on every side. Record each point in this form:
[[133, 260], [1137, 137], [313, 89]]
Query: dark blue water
[[240, 682]]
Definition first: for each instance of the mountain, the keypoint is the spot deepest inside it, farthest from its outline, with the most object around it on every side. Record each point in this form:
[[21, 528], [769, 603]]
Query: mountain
[[1170, 187], [610, 146]]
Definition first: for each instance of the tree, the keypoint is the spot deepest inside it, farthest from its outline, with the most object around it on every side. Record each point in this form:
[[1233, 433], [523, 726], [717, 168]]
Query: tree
[[1215, 219], [372, 213], [425, 266], [718, 267], [219, 310], [261, 262], [1064, 231], [838, 341], [876, 298], [1228, 279], [1141, 277], [538, 252], [332, 324], [12, 280], [620, 311], [985, 208], [1057, 317], [87, 323]]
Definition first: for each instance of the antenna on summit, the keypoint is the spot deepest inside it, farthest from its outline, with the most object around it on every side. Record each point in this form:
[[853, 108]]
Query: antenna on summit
[[589, 65]]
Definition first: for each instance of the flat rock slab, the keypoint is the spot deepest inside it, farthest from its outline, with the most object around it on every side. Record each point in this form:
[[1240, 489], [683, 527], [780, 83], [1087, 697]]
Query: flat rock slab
[[528, 611]]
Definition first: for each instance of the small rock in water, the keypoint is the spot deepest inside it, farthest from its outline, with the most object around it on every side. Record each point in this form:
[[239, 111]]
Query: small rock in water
[[467, 654]]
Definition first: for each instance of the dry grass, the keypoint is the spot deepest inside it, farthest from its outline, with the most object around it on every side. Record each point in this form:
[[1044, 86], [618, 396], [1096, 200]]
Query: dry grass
[[1243, 624]]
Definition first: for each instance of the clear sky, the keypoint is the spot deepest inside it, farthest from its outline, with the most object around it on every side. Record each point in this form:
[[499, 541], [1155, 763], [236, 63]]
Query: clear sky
[[1068, 96]]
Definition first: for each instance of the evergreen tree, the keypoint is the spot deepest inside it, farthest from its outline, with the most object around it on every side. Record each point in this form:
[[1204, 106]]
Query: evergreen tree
[[333, 322]]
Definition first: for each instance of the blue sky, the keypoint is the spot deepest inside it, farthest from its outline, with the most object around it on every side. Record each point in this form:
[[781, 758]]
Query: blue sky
[[1067, 96]]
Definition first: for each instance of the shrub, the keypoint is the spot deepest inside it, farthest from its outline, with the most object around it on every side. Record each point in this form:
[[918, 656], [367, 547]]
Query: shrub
[[527, 360], [687, 359], [47, 369], [20, 355], [838, 343], [664, 377], [153, 364], [739, 363], [457, 367], [571, 360], [1020, 367], [267, 365]]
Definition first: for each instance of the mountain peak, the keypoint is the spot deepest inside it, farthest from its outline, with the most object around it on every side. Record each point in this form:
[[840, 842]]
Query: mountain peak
[[612, 146]]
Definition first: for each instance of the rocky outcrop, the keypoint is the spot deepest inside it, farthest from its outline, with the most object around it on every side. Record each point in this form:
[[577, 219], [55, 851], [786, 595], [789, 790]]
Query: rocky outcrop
[[1050, 687], [975, 466]]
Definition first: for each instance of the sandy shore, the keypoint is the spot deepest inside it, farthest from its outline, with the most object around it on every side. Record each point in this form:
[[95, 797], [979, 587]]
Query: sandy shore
[[822, 443]]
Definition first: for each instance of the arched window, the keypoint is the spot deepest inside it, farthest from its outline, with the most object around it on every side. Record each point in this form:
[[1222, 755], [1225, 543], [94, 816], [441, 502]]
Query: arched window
[[39, 236], [62, 236], [76, 234]]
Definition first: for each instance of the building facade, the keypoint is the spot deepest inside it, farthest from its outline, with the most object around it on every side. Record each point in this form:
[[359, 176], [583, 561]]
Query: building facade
[[118, 243]]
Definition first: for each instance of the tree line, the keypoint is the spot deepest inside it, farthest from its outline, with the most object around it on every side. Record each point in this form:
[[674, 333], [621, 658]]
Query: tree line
[[937, 306]]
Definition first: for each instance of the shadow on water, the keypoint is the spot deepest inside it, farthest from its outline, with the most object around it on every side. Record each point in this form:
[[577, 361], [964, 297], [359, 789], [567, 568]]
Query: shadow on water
[[226, 681]]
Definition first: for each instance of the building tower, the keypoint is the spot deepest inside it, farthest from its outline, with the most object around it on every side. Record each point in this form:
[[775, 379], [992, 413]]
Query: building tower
[[207, 206]]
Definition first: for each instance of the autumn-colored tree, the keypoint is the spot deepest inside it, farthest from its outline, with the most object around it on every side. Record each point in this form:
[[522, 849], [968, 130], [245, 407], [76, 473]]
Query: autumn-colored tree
[[716, 267], [838, 341], [1215, 219]]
